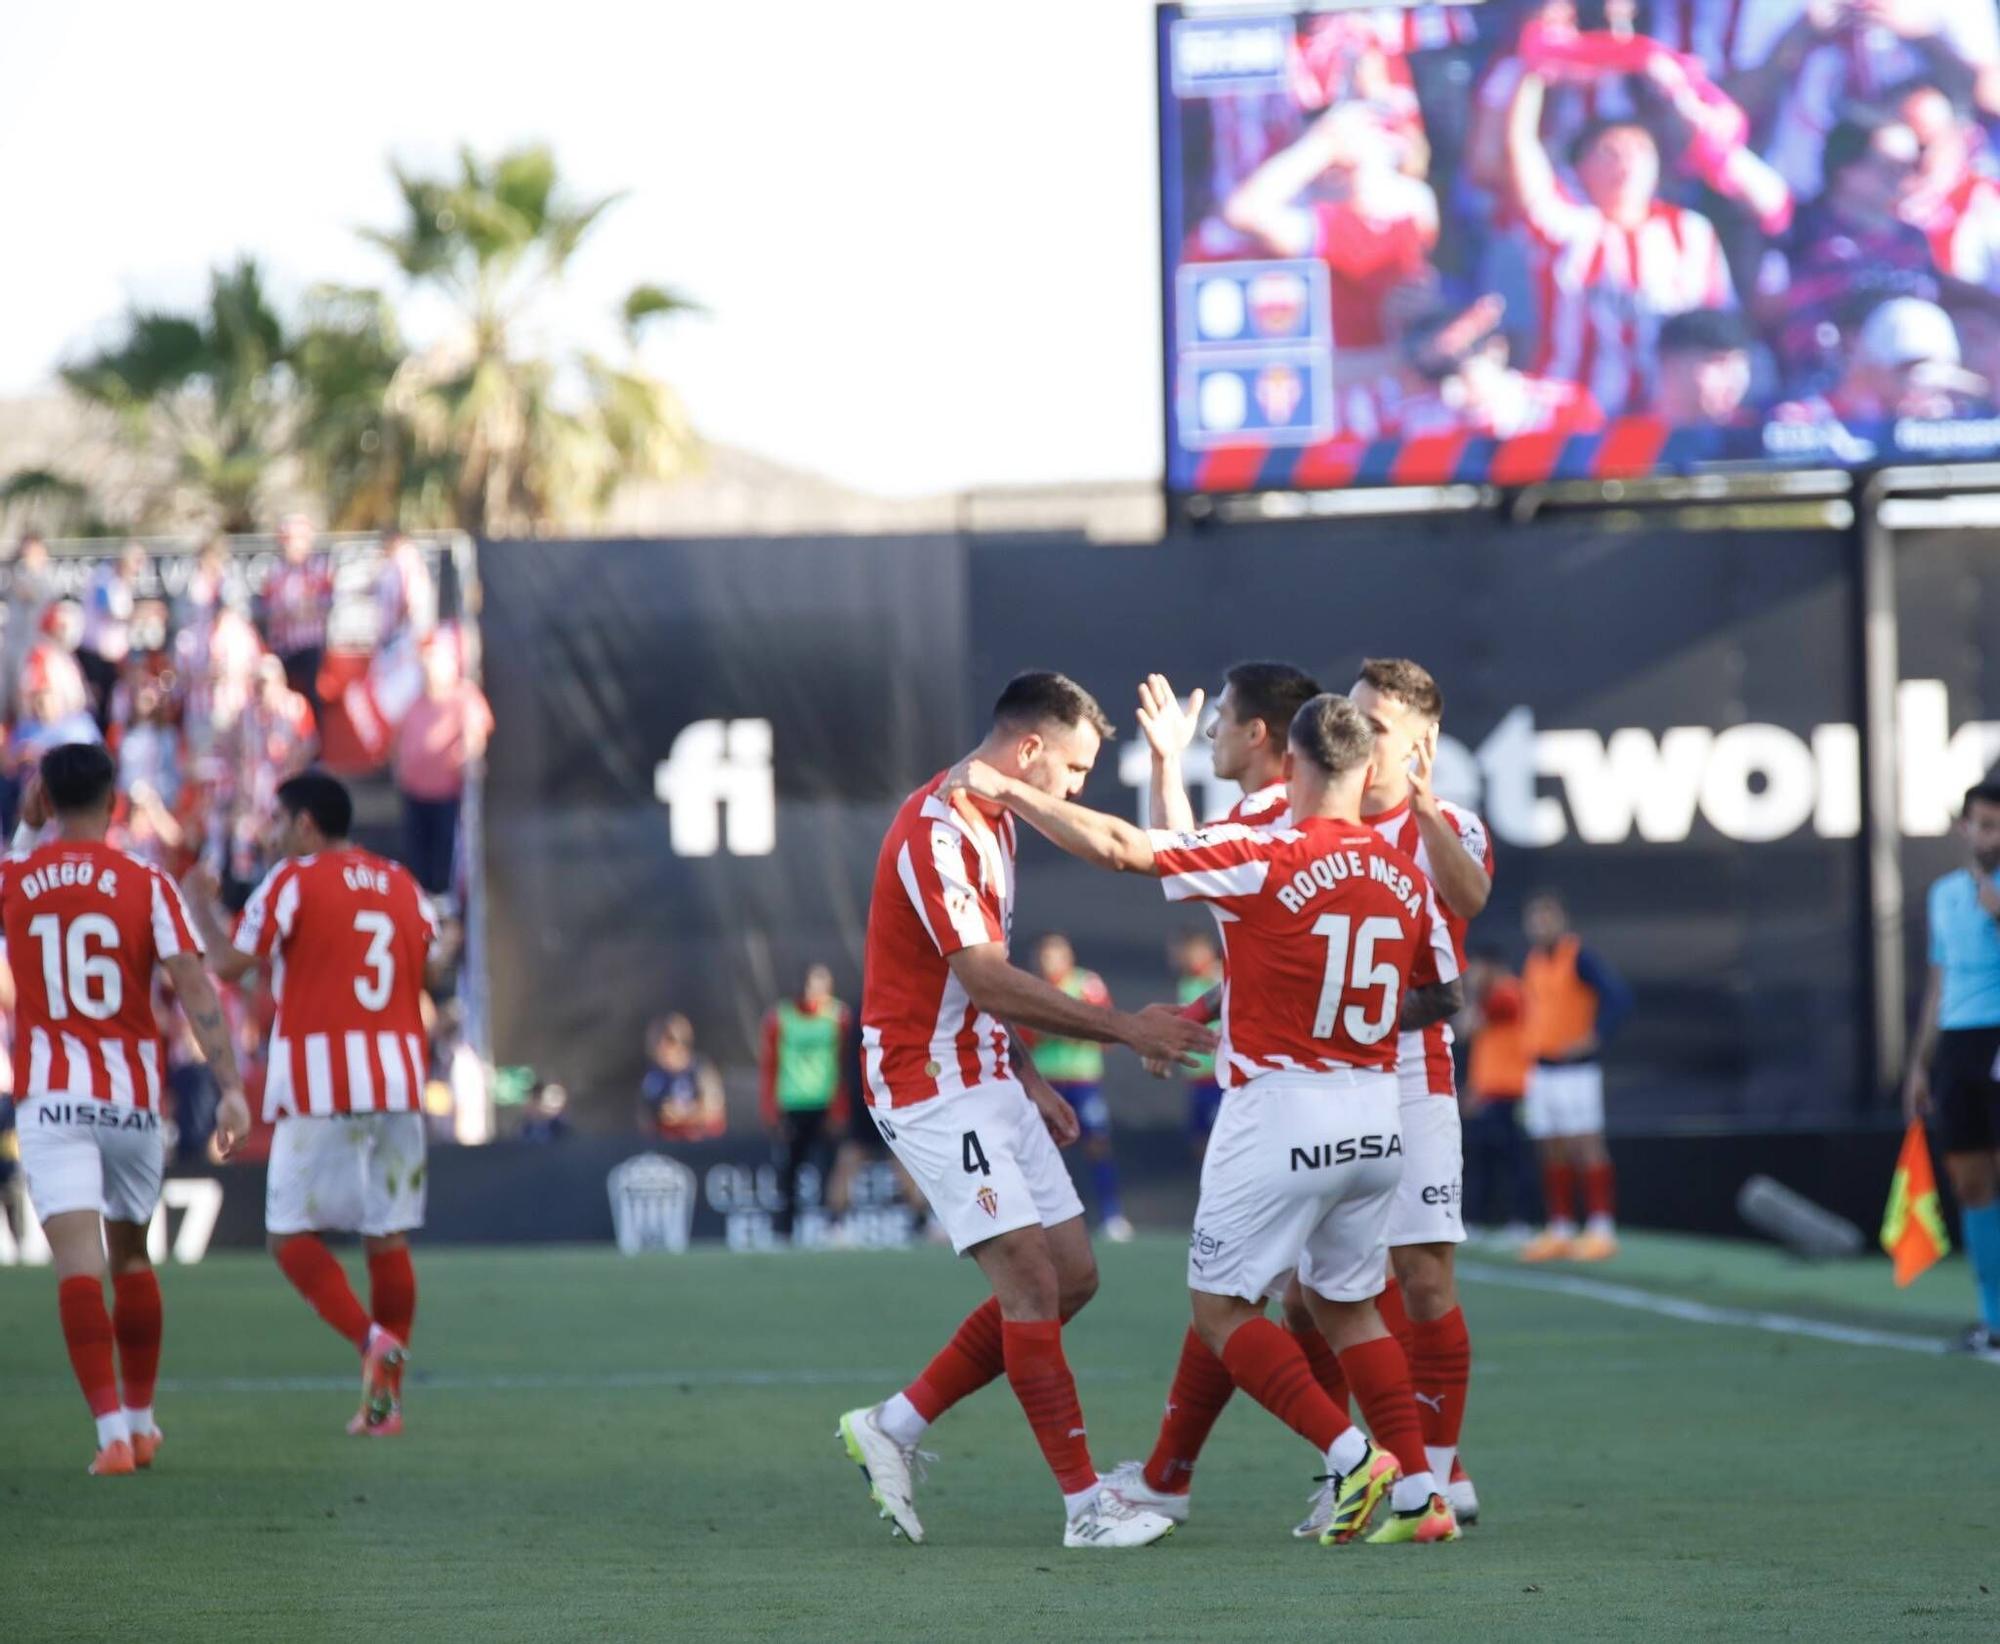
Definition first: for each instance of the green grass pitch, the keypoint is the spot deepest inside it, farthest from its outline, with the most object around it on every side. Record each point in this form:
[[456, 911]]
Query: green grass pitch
[[603, 1448]]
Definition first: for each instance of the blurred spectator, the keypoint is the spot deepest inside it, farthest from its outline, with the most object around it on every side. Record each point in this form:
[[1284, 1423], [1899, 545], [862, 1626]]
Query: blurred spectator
[[1197, 965], [1704, 370], [1499, 1167], [30, 590], [1614, 263], [106, 641], [54, 701], [1852, 247], [443, 733], [1074, 1069], [1956, 205], [1472, 389], [297, 602], [1905, 363], [546, 1118], [190, 1085], [680, 1098], [802, 1066], [149, 752]]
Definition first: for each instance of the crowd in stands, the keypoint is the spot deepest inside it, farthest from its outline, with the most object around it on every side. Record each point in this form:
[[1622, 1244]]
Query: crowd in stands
[[1539, 214], [210, 692]]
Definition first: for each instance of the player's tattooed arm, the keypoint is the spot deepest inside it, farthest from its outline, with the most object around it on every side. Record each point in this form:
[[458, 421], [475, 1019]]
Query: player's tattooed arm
[[196, 992], [224, 958], [1439, 1002]]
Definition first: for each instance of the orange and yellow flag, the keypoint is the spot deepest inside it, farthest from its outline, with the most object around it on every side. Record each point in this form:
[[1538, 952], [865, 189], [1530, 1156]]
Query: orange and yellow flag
[[1913, 1226]]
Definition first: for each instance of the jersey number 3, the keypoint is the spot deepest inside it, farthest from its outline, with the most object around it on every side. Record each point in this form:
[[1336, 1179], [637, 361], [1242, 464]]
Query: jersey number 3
[[378, 980], [74, 976], [1344, 942]]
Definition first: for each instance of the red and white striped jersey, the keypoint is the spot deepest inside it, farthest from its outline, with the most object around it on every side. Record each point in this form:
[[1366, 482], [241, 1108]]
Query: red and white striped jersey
[[86, 928], [348, 936], [1603, 290], [1512, 405], [1324, 928], [1432, 1046], [942, 883], [1261, 807], [1965, 232]]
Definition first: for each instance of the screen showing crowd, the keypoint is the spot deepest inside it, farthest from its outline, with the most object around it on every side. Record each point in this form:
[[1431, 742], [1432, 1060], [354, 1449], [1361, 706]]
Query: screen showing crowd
[[1540, 239]]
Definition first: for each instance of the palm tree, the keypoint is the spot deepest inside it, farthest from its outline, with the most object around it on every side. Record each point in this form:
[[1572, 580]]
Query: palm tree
[[210, 387], [516, 440]]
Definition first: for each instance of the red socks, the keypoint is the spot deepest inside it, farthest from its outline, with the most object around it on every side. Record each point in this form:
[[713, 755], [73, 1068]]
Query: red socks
[[1039, 1375], [87, 1333], [1325, 1364], [392, 1291], [972, 1358], [1268, 1364], [1598, 1190], [1201, 1387], [1380, 1377], [1395, 1315], [318, 1277], [136, 1323], [1440, 1367], [1559, 1190]]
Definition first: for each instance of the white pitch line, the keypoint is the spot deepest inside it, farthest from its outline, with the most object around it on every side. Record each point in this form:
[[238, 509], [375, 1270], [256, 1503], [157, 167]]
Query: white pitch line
[[1694, 1312]]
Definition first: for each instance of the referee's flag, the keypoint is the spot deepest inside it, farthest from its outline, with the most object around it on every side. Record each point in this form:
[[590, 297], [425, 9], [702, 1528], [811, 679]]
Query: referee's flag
[[1913, 1226]]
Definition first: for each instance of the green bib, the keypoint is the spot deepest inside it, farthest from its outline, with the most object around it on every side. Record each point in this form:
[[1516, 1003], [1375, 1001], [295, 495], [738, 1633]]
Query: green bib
[[1189, 989], [1070, 1061], [808, 1056]]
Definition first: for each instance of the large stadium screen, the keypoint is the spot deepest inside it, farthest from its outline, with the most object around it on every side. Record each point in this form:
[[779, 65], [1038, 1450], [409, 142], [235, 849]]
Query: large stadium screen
[[1576, 239]]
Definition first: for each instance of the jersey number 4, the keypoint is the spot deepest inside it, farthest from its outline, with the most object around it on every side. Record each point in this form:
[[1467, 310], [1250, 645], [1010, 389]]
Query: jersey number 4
[[75, 976], [1350, 965]]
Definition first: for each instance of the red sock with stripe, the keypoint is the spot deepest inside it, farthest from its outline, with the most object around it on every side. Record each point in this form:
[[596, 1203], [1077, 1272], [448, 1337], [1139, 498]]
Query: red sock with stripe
[[1268, 1364], [1559, 1190], [318, 1276], [1039, 1375], [1599, 1190], [1201, 1387], [137, 1321], [1380, 1377], [973, 1357], [1324, 1363], [1440, 1368], [392, 1291], [86, 1329]]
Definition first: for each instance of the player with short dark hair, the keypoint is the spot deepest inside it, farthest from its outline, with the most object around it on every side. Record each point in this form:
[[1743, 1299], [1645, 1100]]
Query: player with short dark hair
[[351, 942], [1953, 1056], [974, 1124], [1333, 942], [86, 929]]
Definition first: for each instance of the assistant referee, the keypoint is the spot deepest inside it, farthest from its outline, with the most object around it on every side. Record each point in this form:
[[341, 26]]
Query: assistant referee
[[1954, 1074]]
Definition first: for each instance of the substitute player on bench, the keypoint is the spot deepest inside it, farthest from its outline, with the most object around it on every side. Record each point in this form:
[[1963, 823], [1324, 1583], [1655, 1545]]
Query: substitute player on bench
[[1333, 941], [350, 940], [86, 928], [973, 1123]]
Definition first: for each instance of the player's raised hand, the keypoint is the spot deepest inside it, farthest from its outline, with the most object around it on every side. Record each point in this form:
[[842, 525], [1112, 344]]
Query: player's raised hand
[[1422, 758], [232, 1124], [34, 812], [201, 884], [1162, 1032], [1168, 726]]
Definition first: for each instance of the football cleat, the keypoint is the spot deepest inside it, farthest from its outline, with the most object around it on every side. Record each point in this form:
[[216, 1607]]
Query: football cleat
[[1594, 1247], [1128, 1478], [1112, 1521], [1463, 1498], [1355, 1496], [1547, 1247], [145, 1446], [114, 1460], [892, 1471], [1422, 1525], [365, 1424], [381, 1375], [1979, 1341]]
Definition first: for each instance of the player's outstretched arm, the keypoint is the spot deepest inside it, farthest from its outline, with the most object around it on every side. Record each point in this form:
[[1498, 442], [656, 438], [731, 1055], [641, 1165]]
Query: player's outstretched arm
[[196, 993], [224, 958], [1102, 840], [1438, 1002], [1003, 989], [1169, 729]]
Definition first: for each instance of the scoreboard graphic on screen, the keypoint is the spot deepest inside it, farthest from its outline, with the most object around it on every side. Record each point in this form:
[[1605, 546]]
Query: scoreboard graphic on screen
[[1505, 243]]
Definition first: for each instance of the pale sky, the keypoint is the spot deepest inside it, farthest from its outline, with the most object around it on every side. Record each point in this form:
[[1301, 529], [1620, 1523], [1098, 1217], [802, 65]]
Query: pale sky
[[925, 229]]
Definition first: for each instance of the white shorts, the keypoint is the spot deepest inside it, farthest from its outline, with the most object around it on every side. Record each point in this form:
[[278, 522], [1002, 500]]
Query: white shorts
[[346, 1173], [1300, 1175], [1430, 1199], [1564, 1101], [78, 1153], [984, 1160]]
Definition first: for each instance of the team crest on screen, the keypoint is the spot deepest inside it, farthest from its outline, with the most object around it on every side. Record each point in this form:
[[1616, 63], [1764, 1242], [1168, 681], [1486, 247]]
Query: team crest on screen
[[1279, 390], [989, 1201]]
